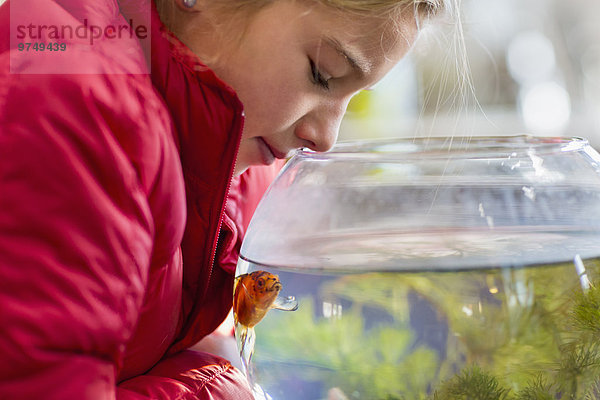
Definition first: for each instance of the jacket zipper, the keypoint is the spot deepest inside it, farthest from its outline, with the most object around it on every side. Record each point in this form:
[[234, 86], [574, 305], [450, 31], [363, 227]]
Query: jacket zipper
[[239, 128]]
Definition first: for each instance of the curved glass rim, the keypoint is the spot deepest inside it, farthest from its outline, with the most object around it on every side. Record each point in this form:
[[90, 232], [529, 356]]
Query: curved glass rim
[[445, 147]]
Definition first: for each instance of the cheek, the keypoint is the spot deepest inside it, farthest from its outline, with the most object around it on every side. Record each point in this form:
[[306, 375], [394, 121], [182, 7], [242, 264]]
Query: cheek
[[273, 103]]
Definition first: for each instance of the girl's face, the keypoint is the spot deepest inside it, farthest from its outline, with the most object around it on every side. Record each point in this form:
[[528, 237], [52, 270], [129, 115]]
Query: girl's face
[[296, 69]]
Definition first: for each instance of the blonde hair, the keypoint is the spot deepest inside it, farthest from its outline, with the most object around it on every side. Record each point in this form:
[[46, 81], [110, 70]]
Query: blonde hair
[[424, 9], [390, 11], [393, 15]]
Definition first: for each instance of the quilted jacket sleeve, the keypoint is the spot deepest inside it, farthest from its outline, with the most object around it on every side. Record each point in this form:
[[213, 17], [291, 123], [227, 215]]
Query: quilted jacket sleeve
[[188, 375], [76, 236], [75, 239]]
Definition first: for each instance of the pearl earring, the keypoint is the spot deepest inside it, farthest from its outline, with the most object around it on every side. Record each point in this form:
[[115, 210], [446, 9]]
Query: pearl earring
[[189, 3]]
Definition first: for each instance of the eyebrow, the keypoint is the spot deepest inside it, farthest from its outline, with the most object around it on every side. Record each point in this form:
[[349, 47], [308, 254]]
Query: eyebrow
[[357, 64]]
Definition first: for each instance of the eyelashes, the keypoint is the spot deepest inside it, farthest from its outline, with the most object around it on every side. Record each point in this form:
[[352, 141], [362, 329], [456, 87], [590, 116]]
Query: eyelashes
[[316, 76]]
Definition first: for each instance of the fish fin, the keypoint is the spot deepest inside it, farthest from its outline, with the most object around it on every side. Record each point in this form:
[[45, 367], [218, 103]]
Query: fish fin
[[250, 341], [286, 304], [247, 349], [240, 298], [241, 336], [246, 290], [245, 341]]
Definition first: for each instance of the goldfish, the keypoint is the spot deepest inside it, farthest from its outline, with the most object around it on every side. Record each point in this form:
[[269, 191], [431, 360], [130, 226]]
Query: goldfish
[[254, 294]]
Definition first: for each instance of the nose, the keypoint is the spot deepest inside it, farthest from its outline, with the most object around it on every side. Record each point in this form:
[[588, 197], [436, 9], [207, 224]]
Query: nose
[[319, 128]]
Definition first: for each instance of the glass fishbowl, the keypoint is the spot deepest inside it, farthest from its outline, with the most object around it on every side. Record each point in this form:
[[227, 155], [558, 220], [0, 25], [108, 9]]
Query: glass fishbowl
[[438, 268]]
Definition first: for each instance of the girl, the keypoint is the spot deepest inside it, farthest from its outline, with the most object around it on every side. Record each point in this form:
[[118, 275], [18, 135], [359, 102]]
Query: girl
[[130, 165]]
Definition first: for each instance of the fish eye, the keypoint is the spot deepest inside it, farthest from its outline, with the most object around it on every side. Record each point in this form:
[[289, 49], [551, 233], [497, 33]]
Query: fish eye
[[260, 283]]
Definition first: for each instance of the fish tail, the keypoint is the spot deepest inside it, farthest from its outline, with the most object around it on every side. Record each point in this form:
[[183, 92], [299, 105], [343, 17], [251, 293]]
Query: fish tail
[[250, 340], [242, 332], [246, 341]]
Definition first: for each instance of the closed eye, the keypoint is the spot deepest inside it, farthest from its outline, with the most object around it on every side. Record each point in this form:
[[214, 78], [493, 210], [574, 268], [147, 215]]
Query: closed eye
[[317, 77]]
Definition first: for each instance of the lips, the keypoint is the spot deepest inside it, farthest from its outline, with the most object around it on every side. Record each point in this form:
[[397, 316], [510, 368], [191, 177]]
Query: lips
[[265, 150], [269, 153]]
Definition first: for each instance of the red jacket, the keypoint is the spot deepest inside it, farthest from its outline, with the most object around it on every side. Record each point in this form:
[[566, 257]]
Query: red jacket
[[117, 251]]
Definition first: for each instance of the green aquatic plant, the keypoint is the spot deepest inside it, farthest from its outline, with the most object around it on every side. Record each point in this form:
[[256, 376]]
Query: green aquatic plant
[[593, 392], [471, 383], [538, 389], [579, 364], [586, 311], [377, 363], [573, 373]]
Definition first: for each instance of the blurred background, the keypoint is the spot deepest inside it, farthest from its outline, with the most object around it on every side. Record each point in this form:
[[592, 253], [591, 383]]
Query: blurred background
[[524, 67]]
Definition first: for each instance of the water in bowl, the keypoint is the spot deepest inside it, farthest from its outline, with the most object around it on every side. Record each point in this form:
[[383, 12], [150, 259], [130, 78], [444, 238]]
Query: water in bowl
[[430, 332]]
